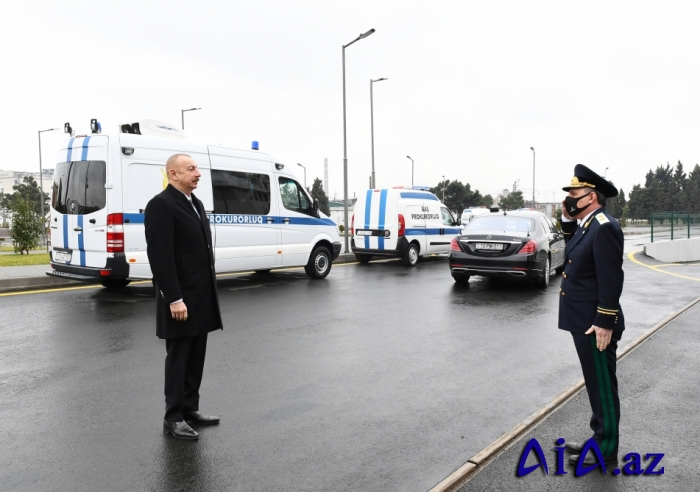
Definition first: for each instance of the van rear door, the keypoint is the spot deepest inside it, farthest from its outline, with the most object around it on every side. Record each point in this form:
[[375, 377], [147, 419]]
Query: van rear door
[[79, 204]]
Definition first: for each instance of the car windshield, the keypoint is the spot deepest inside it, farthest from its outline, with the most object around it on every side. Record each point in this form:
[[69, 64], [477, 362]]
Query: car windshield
[[501, 223]]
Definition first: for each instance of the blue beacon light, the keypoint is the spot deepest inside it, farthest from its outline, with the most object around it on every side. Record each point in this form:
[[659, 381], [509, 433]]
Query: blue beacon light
[[255, 145]]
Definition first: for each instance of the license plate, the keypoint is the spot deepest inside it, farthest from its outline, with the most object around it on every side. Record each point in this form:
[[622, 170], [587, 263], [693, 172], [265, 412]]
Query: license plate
[[364, 233], [489, 246], [62, 256]]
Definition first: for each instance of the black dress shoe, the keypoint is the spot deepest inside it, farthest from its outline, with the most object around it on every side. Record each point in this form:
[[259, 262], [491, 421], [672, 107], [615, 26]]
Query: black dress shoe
[[591, 460], [575, 447], [196, 417], [180, 430]]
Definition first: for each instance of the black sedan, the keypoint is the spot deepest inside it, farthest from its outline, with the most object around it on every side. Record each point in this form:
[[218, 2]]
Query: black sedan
[[508, 244]]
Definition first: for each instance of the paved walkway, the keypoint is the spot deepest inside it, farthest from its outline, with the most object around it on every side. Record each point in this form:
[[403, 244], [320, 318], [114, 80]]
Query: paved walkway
[[23, 271], [659, 396]]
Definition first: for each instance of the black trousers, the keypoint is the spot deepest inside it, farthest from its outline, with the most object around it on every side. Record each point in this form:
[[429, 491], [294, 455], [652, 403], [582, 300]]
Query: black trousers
[[601, 383], [184, 365]]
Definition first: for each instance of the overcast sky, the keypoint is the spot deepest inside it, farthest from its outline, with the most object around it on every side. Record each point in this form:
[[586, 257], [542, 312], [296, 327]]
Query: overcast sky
[[472, 85]]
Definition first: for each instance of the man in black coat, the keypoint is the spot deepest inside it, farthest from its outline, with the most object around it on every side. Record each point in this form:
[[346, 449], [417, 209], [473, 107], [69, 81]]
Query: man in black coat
[[181, 256], [589, 302]]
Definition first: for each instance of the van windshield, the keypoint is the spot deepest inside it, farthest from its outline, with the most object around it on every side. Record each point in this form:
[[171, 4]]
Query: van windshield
[[79, 187], [506, 223]]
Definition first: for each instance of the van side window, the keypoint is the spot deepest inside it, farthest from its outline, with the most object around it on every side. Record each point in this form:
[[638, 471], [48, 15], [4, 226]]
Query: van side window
[[294, 197], [240, 193], [447, 218], [79, 187]]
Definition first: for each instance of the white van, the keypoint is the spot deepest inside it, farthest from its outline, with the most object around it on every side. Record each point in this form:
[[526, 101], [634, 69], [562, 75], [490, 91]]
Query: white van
[[469, 213], [401, 223], [261, 217]]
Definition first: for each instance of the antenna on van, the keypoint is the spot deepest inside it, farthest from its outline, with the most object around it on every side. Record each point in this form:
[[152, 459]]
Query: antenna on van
[[67, 128], [95, 126]]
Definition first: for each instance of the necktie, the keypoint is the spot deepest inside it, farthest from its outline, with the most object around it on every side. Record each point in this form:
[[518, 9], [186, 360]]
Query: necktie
[[189, 199]]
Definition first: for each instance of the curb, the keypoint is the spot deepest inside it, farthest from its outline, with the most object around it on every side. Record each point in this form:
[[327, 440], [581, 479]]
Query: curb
[[465, 472], [47, 282]]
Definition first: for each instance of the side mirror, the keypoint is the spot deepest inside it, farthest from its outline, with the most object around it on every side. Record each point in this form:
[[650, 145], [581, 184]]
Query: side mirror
[[458, 221], [315, 207]]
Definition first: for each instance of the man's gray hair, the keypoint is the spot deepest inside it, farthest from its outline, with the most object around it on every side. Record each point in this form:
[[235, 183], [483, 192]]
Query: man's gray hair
[[602, 199], [172, 160]]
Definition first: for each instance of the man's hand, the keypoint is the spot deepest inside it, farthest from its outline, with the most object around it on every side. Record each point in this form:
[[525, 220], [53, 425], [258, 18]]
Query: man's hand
[[564, 212], [602, 336], [179, 311]]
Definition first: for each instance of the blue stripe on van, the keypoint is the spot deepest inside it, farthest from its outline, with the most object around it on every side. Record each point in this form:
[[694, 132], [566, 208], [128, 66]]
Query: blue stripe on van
[[81, 240], [70, 153], [422, 196], [85, 149], [65, 231], [382, 216], [368, 209], [133, 218]]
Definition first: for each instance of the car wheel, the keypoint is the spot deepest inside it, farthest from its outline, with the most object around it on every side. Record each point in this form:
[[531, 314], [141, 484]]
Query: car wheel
[[543, 280], [364, 259], [263, 272], [410, 258], [319, 265], [114, 283], [461, 279]]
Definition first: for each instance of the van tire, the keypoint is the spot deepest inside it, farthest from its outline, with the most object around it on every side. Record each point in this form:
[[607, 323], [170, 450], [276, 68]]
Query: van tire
[[364, 259], [114, 283], [410, 257], [319, 265]]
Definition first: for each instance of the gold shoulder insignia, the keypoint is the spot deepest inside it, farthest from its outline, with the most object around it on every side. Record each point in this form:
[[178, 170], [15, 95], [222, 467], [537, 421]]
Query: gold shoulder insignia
[[602, 218]]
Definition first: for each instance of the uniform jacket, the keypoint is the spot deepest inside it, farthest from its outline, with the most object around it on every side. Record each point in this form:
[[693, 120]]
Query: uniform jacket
[[592, 279], [182, 261]]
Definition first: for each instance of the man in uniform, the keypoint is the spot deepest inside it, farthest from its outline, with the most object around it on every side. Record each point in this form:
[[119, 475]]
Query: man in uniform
[[589, 302], [187, 305]]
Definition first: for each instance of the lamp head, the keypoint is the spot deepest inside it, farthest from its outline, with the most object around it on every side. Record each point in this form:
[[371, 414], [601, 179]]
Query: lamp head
[[532, 149], [363, 36]]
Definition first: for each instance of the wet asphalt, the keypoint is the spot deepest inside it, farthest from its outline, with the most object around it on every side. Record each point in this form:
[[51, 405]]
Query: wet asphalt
[[380, 377]]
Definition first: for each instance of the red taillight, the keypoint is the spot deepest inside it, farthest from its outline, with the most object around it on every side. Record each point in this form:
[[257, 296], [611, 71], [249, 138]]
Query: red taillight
[[454, 245], [352, 225], [529, 248], [402, 226], [115, 233]]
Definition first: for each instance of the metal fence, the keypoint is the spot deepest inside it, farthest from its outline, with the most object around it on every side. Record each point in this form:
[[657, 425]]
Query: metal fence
[[671, 225]]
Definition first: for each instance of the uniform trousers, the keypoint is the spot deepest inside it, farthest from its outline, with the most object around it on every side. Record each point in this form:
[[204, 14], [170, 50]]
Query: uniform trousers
[[184, 365], [601, 384]]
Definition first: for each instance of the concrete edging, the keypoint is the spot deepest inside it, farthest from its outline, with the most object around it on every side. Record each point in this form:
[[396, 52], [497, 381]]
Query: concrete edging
[[465, 472]]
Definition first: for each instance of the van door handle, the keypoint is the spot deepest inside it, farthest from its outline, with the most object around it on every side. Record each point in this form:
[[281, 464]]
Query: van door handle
[[286, 220], [78, 229], [92, 221], [270, 220]]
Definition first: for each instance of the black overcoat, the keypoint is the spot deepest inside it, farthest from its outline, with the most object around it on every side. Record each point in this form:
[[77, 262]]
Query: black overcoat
[[593, 277], [181, 255]]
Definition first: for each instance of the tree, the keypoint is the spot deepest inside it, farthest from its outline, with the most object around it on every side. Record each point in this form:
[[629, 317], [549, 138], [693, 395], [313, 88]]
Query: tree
[[26, 225], [458, 196], [512, 201], [487, 201], [29, 190], [4, 209], [317, 192]]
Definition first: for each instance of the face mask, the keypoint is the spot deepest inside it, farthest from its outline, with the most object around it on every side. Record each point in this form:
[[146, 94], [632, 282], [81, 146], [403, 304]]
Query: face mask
[[570, 202]]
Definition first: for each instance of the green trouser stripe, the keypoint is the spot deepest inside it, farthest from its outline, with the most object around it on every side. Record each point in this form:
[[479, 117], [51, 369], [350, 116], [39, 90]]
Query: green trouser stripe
[[601, 390], [611, 402]]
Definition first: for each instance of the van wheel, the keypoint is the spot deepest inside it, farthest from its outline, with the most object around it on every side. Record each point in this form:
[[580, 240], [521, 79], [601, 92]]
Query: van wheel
[[114, 283], [410, 258], [319, 265], [364, 259]]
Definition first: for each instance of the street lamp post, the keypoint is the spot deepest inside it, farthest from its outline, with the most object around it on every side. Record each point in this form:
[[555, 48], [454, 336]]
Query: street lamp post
[[41, 194], [533, 176], [304, 167], [443, 188], [183, 111], [345, 144], [373, 184], [411, 170]]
